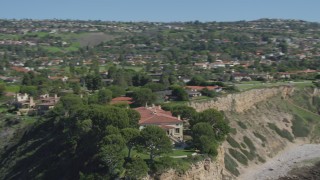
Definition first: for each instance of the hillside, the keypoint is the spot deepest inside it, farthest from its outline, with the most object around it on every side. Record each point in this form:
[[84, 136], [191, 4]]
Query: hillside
[[263, 122]]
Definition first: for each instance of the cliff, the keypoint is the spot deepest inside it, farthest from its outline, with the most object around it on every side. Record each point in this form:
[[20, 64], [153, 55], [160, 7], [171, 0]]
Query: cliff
[[207, 169], [266, 118], [243, 101]]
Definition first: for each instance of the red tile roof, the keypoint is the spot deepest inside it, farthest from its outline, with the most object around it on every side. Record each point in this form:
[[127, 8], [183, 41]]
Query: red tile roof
[[19, 69], [127, 100], [156, 116]]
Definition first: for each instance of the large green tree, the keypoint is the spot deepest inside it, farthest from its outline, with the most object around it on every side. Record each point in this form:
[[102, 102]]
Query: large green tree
[[155, 141], [141, 96], [216, 120], [104, 96], [180, 94], [136, 169], [203, 138], [185, 112], [111, 154], [93, 82], [132, 137]]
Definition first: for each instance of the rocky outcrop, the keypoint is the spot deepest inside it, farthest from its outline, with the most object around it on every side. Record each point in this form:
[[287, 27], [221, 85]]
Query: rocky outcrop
[[316, 92], [207, 169], [243, 101]]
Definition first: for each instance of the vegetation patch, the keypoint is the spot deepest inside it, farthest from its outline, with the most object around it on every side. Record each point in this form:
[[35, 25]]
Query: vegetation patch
[[250, 155], [242, 125], [283, 133], [238, 156], [233, 131], [243, 145], [261, 159], [299, 128], [261, 137], [249, 143], [233, 142], [231, 165]]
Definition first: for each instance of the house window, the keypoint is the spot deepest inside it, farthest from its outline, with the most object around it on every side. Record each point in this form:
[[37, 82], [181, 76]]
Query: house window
[[177, 130]]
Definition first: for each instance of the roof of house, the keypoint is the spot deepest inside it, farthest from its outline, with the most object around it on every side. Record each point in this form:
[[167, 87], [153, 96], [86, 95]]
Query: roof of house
[[127, 100], [19, 69], [156, 115]]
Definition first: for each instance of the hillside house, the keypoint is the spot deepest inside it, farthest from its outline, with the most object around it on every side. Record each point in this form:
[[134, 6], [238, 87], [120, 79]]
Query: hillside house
[[156, 116], [24, 103], [45, 103]]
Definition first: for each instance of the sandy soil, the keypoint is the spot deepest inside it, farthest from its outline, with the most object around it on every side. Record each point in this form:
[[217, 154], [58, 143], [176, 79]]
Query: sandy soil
[[281, 164]]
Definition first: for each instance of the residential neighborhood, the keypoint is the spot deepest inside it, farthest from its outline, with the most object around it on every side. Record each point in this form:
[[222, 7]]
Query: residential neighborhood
[[93, 99]]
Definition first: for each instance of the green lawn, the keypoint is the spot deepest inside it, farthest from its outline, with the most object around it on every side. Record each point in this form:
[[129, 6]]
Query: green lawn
[[12, 88], [247, 85], [175, 152], [244, 86], [135, 68], [181, 152]]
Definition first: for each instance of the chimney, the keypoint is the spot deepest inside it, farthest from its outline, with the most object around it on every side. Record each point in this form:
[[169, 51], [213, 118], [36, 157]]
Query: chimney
[[31, 102], [159, 107], [179, 117]]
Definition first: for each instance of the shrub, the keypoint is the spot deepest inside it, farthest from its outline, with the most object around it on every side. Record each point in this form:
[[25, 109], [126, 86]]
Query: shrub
[[299, 128], [163, 164], [242, 125], [233, 142], [261, 137], [283, 133], [231, 165], [261, 159], [233, 131], [243, 145], [250, 155], [238, 156], [249, 143]]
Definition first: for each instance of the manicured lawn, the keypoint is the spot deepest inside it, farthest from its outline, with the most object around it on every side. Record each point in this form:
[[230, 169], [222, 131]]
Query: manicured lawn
[[180, 152], [175, 152]]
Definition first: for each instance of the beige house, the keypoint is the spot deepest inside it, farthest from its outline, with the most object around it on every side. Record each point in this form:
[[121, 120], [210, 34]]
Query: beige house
[[25, 104], [164, 119]]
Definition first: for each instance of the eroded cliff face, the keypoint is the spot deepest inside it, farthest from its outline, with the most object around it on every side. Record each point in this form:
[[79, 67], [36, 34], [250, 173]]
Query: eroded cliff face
[[243, 101], [256, 109], [207, 169]]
